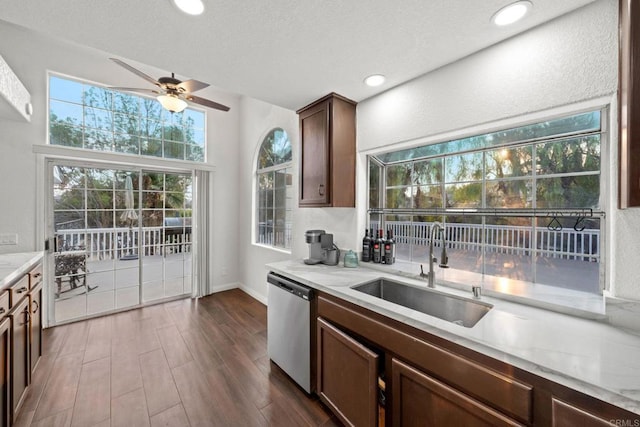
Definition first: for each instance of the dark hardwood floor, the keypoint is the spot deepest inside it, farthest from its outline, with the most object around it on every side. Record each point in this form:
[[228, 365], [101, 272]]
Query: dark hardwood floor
[[183, 363]]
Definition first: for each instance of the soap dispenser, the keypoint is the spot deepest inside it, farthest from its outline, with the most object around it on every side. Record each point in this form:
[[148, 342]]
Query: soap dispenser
[[350, 259]]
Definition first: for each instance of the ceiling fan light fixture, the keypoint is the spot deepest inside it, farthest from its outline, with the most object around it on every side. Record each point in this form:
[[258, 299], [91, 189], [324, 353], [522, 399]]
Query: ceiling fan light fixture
[[190, 7], [511, 13], [172, 103]]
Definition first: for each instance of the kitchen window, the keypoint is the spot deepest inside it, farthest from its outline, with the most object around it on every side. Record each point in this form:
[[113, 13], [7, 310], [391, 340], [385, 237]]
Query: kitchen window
[[89, 116], [274, 191], [521, 203]]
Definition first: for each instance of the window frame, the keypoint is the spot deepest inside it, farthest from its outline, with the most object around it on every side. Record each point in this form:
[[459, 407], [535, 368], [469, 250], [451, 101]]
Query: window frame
[[289, 202], [114, 133], [379, 214]]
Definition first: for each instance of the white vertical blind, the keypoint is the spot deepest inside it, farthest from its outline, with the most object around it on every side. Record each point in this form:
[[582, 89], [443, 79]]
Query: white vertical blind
[[201, 277]]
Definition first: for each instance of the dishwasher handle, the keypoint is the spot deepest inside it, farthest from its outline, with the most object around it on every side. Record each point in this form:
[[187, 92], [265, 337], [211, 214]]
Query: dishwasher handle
[[290, 286]]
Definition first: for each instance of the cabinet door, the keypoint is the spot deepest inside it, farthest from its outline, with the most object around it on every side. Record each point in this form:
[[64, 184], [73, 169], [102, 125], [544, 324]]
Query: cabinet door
[[420, 400], [19, 353], [314, 156], [35, 327], [347, 376], [5, 365], [566, 415]]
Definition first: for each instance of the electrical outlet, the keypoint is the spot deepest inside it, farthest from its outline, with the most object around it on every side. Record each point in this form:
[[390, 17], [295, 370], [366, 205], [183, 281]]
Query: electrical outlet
[[8, 239]]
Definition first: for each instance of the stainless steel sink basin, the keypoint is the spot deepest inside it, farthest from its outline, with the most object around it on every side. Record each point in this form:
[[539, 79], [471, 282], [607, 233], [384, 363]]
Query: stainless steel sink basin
[[452, 308]]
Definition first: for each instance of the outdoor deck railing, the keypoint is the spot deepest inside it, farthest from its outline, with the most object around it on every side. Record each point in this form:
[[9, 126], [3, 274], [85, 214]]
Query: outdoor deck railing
[[114, 243], [566, 243]]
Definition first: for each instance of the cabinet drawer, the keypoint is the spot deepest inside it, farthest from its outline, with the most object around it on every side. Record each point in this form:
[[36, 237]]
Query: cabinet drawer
[[19, 290], [491, 387], [35, 276], [4, 303]]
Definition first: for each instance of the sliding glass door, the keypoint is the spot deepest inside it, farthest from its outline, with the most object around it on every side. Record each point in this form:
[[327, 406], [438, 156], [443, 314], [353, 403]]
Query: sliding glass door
[[121, 238]]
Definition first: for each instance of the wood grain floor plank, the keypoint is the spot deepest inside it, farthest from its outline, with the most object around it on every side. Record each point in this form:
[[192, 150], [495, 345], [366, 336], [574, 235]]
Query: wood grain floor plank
[[208, 404], [38, 382], [60, 392], [99, 339], [201, 349], [175, 349], [53, 339], [254, 384], [76, 338], [125, 373], [130, 409], [172, 417], [93, 400], [24, 418], [61, 419], [159, 387]]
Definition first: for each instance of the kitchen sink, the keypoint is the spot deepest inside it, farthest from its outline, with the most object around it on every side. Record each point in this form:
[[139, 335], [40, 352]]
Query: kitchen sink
[[458, 310]]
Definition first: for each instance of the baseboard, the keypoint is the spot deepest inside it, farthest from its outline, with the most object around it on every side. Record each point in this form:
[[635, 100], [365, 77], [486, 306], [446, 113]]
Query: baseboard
[[225, 287], [253, 293]]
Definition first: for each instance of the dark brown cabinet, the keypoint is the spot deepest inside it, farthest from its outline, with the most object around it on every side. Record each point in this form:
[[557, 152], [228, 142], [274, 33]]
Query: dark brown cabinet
[[347, 376], [35, 326], [5, 366], [629, 104], [328, 153], [432, 381], [20, 369], [567, 415], [421, 400]]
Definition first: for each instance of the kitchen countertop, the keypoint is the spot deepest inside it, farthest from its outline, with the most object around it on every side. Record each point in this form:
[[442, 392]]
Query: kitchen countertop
[[592, 357], [14, 266]]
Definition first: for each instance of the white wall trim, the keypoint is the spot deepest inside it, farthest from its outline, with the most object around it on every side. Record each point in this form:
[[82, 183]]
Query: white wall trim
[[68, 153], [252, 293], [222, 288], [497, 125]]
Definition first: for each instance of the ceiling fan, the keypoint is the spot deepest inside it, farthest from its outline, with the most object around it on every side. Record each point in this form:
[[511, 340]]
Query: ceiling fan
[[173, 94]]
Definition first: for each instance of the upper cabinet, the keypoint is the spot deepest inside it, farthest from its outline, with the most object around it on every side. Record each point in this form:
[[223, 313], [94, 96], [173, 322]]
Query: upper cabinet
[[15, 100], [629, 104], [328, 153]]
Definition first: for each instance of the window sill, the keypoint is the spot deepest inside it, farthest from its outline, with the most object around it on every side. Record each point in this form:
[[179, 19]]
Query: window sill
[[566, 301], [273, 248]]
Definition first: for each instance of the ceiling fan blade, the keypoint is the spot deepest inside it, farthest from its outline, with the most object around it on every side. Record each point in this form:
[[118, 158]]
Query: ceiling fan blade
[[192, 85], [136, 90], [206, 102], [136, 71]]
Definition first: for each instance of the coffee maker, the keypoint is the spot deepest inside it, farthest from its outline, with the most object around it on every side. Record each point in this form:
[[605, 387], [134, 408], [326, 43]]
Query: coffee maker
[[321, 248]]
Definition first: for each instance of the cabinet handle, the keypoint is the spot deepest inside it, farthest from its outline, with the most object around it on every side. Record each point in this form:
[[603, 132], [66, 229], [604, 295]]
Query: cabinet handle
[[321, 190], [2, 310], [35, 310], [21, 290], [27, 316], [37, 275]]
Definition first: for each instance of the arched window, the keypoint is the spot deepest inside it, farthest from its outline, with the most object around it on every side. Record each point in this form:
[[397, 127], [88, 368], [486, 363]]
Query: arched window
[[274, 191]]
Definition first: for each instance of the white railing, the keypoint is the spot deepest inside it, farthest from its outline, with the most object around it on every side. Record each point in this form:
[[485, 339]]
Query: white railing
[[566, 243], [268, 236], [114, 243]]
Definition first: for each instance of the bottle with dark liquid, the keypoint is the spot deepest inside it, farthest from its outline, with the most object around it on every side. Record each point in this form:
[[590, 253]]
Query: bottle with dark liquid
[[382, 245], [389, 248], [366, 243], [377, 249], [371, 244]]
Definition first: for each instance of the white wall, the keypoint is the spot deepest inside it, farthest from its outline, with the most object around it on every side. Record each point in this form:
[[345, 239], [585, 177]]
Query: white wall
[[570, 60], [258, 118], [31, 55]]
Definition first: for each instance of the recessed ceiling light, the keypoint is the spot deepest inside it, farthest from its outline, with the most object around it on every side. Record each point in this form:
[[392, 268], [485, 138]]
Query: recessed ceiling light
[[190, 7], [374, 80], [511, 13]]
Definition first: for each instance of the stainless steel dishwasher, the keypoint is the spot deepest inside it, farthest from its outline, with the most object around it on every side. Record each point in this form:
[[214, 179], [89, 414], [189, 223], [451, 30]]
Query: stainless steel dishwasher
[[289, 328]]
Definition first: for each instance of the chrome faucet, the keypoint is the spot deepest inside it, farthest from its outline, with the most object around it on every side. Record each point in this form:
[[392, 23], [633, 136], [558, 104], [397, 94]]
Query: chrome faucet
[[444, 259]]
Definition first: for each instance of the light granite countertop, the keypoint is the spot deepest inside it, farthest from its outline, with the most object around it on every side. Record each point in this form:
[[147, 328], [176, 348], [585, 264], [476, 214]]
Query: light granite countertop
[[592, 357], [14, 266]]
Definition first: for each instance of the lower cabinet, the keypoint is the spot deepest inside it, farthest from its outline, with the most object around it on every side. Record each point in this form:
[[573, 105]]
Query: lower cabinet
[[420, 400], [20, 368], [347, 376], [567, 415], [35, 326], [5, 367]]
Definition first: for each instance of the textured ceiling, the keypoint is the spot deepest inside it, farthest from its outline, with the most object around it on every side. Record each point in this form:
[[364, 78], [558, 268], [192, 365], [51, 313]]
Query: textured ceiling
[[286, 52]]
